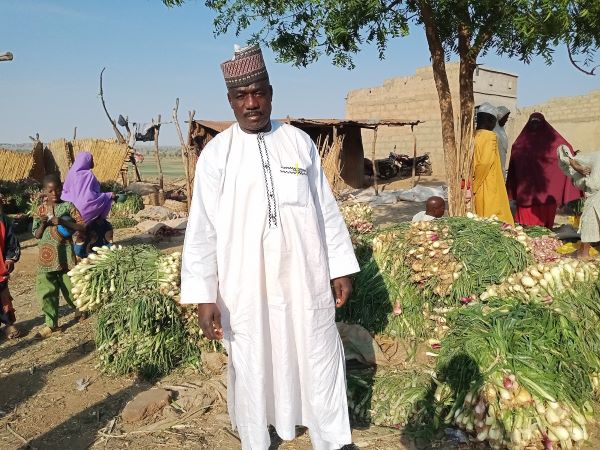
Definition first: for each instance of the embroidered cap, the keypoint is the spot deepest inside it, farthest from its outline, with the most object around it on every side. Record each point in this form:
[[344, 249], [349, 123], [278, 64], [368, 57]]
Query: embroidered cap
[[246, 67]]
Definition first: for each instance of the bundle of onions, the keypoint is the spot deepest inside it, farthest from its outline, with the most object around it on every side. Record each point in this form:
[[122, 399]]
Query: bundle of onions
[[113, 271], [506, 415], [358, 217], [428, 255], [542, 282]]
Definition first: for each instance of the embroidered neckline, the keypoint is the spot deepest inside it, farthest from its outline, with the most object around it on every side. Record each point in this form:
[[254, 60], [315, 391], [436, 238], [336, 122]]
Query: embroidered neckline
[[268, 177]]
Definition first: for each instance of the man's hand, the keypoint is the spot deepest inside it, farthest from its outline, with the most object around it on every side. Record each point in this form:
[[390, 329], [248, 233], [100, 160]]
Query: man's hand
[[343, 288], [583, 170], [209, 317], [10, 265]]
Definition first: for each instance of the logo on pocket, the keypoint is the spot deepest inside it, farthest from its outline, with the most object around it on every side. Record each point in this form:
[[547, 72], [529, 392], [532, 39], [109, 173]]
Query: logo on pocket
[[294, 170]]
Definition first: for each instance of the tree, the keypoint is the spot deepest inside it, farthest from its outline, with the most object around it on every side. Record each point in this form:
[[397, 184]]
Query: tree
[[301, 31]]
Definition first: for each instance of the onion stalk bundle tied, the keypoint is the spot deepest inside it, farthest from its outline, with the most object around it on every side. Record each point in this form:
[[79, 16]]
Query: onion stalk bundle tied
[[113, 271], [542, 282], [143, 332], [507, 415], [521, 372], [388, 398], [427, 248]]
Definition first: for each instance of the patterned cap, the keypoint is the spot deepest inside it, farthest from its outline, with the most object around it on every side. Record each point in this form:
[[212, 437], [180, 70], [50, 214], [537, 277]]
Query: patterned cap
[[246, 67]]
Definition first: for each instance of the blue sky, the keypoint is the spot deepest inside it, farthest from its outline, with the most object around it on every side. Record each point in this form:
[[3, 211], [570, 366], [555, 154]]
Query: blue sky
[[153, 54]]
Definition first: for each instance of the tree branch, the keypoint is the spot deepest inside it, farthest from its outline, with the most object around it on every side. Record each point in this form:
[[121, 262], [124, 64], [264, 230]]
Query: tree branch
[[574, 63], [120, 137]]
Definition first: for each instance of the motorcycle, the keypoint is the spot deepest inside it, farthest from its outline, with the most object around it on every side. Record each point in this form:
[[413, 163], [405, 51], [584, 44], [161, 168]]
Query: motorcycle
[[386, 168], [405, 163], [395, 164]]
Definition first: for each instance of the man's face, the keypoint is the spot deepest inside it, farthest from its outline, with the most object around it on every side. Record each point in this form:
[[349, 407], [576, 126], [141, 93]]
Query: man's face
[[53, 192], [252, 106], [503, 121]]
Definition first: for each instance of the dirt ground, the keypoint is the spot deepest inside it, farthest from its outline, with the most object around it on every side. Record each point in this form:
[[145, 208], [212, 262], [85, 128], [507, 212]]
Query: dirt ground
[[42, 408]]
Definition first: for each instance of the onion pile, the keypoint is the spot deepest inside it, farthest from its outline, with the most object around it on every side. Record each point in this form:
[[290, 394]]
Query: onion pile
[[544, 249], [387, 398], [113, 271], [429, 256], [358, 217], [506, 415], [544, 281], [169, 271]]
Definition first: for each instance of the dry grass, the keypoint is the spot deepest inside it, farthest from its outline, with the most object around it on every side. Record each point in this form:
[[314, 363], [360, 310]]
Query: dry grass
[[461, 165], [331, 160], [15, 166]]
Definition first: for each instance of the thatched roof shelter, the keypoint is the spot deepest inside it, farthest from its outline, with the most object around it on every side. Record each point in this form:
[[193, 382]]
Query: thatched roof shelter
[[320, 130]]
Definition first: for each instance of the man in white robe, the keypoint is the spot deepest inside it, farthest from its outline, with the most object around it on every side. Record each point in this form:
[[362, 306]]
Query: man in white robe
[[264, 245]]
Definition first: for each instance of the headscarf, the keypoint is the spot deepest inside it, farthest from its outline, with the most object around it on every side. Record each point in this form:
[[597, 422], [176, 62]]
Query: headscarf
[[488, 108], [502, 137], [83, 190], [501, 112], [534, 177]]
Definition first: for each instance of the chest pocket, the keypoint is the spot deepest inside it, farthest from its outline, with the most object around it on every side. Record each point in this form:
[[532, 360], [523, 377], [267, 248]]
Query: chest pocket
[[293, 186]]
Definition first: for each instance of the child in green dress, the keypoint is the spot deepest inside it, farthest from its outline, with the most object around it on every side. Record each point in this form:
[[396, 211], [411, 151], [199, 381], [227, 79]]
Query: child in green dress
[[54, 224]]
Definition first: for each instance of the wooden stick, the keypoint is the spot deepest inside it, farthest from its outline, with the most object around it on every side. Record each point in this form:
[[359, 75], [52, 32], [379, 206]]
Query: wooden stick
[[373, 161], [120, 137], [191, 170], [74, 133], [158, 163], [184, 154], [18, 436], [414, 167]]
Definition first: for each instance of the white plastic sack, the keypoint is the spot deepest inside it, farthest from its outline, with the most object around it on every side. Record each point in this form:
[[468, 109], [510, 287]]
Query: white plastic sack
[[422, 193]]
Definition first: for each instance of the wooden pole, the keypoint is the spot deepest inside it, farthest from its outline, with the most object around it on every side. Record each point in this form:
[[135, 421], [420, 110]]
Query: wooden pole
[[158, 163], [375, 174], [414, 167], [184, 155], [120, 137], [192, 156], [74, 133]]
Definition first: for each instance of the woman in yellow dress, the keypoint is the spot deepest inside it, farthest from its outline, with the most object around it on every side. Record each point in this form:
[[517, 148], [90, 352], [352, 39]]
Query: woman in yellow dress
[[489, 191]]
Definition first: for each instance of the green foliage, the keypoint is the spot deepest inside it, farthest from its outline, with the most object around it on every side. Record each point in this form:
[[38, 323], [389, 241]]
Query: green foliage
[[18, 196], [300, 31], [121, 213], [487, 253], [143, 332], [552, 349]]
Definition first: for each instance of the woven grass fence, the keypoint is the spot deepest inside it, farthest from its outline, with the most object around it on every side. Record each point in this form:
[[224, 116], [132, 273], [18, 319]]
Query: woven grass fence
[[58, 158], [110, 157], [15, 166]]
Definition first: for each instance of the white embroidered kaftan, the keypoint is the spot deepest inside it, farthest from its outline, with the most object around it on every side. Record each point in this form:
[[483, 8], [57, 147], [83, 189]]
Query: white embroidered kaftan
[[264, 238]]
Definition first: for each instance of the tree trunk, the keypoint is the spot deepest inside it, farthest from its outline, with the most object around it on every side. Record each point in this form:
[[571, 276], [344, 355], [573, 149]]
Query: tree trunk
[[467, 108], [445, 97]]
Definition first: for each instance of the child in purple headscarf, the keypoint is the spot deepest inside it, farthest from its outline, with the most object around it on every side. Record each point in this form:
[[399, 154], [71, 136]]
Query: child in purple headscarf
[[83, 190]]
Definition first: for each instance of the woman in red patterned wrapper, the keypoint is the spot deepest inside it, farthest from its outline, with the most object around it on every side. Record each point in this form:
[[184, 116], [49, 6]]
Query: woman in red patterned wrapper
[[54, 224], [10, 251]]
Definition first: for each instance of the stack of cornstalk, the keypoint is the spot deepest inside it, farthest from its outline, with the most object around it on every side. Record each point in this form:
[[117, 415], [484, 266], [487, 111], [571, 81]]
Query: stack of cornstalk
[[331, 160]]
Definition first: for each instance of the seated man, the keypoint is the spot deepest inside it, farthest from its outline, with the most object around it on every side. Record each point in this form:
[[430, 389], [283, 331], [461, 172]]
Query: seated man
[[434, 209]]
